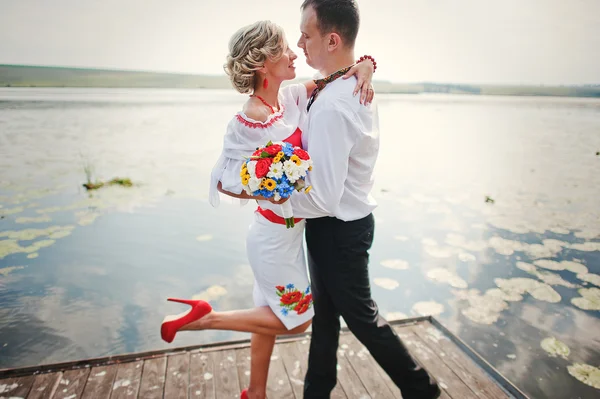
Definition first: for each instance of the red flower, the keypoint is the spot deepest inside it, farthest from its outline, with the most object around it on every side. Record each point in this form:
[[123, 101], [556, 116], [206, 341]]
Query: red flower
[[304, 304], [302, 307], [280, 288], [257, 153], [273, 149], [262, 167], [291, 297], [303, 155]]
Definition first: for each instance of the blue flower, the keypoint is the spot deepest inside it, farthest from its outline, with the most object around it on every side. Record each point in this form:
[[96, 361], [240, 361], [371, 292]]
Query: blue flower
[[307, 290], [284, 311], [266, 193], [284, 189], [290, 286], [288, 150], [283, 179]]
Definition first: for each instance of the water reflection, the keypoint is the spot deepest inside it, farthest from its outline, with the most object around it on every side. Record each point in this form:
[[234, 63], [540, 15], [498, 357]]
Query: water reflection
[[85, 276]]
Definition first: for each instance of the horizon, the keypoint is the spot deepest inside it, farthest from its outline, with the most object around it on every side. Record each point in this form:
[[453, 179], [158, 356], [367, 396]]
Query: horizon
[[301, 78], [541, 42]]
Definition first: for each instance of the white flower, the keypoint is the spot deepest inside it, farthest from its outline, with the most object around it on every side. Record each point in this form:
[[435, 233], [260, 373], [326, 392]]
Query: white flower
[[306, 164], [252, 168], [294, 175], [288, 166], [293, 171], [254, 183], [276, 170]]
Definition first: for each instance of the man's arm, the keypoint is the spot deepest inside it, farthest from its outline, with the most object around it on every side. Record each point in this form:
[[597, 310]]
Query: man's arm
[[331, 139]]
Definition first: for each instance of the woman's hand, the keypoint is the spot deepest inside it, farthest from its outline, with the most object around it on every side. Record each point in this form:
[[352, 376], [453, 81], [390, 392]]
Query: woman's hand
[[364, 74]]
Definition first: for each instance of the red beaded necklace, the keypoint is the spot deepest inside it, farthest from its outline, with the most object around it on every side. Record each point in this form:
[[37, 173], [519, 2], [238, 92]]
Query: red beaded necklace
[[264, 102]]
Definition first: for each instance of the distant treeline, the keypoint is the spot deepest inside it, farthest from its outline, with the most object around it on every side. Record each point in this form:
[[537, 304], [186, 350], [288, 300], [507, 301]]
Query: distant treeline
[[38, 76]]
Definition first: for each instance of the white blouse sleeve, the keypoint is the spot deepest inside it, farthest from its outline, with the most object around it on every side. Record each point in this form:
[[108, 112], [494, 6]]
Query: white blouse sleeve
[[230, 179], [298, 93], [227, 168]]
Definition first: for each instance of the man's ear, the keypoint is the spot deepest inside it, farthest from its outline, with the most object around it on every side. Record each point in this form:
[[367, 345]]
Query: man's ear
[[335, 41]]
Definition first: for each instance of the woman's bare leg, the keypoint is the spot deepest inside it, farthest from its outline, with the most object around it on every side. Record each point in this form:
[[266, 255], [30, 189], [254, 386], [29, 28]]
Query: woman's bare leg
[[261, 349], [259, 320], [264, 326]]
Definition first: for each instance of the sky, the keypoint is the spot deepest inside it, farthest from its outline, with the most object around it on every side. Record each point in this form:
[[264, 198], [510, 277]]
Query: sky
[[459, 41]]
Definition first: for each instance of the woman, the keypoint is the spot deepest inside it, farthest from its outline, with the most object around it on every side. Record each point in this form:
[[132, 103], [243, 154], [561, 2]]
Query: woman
[[259, 61]]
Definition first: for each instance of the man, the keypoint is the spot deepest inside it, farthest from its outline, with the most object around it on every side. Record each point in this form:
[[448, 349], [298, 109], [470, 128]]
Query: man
[[342, 138]]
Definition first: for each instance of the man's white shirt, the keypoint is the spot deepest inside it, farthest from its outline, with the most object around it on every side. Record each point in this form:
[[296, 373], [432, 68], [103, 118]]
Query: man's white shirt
[[342, 139]]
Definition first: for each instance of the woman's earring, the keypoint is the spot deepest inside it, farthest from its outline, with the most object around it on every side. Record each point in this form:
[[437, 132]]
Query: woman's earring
[[265, 83]]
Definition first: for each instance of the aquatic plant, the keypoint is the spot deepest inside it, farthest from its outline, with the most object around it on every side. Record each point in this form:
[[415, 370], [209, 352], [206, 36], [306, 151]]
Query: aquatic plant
[[124, 182]]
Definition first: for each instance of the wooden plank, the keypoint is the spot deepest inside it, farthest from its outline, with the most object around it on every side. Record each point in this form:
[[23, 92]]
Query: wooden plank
[[472, 375], [448, 380], [127, 380], [367, 368], [444, 395], [152, 384], [350, 382], [99, 383], [278, 383], [44, 386], [227, 384], [242, 362], [295, 366], [72, 383], [304, 347], [134, 357], [202, 382], [17, 387], [178, 376]]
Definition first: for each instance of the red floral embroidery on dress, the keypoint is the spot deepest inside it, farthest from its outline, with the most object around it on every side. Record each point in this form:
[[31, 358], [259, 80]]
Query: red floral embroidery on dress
[[292, 299], [259, 125]]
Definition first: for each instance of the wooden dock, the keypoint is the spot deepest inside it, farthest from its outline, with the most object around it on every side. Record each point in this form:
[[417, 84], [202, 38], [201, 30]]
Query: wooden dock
[[222, 370]]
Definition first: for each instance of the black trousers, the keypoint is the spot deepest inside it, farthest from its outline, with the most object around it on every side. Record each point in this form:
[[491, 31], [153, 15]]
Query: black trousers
[[338, 260]]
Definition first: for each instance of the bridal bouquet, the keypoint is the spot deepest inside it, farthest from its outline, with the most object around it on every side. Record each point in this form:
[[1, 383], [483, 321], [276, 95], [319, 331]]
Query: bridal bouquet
[[275, 171]]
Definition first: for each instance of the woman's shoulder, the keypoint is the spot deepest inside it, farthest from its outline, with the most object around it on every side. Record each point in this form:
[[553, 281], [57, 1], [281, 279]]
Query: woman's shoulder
[[254, 115], [255, 110]]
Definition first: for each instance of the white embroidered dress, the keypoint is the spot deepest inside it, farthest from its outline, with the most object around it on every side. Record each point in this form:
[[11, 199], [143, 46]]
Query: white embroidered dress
[[275, 253]]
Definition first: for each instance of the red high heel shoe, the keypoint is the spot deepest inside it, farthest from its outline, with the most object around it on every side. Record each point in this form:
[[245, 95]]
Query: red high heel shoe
[[169, 328], [244, 394]]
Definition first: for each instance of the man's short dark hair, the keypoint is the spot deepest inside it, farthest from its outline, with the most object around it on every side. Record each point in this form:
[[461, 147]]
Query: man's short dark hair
[[340, 16]]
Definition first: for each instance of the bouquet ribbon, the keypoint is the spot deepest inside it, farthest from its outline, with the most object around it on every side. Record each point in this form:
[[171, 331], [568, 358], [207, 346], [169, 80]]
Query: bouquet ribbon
[[273, 217]]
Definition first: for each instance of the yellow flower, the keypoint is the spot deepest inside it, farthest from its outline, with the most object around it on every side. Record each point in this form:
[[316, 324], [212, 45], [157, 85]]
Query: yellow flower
[[244, 169], [262, 183], [280, 154], [307, 189], [310, 168], [277, 159], [270, 184], [296, 160], [245, 179]]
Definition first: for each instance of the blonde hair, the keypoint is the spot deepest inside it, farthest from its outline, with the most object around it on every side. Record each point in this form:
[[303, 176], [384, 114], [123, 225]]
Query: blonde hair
[[249, 48]]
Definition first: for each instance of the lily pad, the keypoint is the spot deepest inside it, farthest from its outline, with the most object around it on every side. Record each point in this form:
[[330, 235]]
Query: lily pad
[[428, 308], [555, 347], [585, 373], [386, 283], [397, 264]]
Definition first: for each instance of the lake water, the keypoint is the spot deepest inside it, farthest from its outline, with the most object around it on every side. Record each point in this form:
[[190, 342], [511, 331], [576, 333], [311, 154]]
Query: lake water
[[517, 279]]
